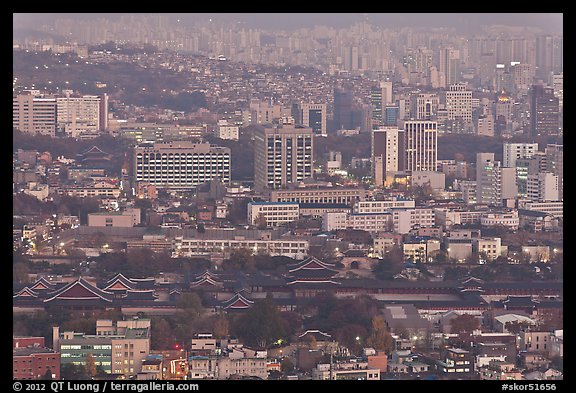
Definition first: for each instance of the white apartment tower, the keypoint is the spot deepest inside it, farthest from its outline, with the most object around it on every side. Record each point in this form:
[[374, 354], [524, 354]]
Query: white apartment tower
[[34, 113], [543, 187], [282, 154], [513, 151], [78, 114], [387, 153], [421, 145], [459, 103]]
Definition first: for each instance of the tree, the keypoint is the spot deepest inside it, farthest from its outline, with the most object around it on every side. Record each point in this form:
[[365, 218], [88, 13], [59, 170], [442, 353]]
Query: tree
[[380, 338], [47, 375], [464, 323], [261, 221], [287, 366], [221, 326], [260, 325], [90, 365], [70, 371], [162, 335]]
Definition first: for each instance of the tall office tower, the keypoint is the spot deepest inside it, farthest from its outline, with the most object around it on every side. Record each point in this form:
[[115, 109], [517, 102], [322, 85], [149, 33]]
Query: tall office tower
[[459, 104], [424, 106], [103, 112], [522, 167], [391, 115], [514, 151], [503, 79], [78, 114], [387, 93], [543, 187], [376, 103], [494, 184], [181, 165], [503, 121], [449, 65], [388, 153], [343, 117], [549, 55], [421, 142], [34, 113], [282, 154], [544, 111], [555, 155], [522, 76], [310, 115]]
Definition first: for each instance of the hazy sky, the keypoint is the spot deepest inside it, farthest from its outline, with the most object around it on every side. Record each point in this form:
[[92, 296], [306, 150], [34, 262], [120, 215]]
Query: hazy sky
[[465, 22]]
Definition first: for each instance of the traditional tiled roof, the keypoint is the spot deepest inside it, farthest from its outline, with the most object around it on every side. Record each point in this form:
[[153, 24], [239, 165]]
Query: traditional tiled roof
[[26, 293], [311, 263], [317, 334], [237, 302], [119, 283], [42, 284], [80, 290]]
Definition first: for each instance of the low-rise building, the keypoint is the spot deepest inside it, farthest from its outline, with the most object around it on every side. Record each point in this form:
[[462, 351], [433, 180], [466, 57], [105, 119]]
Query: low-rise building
[[31, 359], [128, 218], [274, 213]]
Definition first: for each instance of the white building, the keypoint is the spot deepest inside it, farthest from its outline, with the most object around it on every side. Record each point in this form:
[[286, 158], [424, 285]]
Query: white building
[[436, 180], [507, 219], [224, 130], [275, 213], [406, 219], [513, 151], [382, 206], [492, 247], [78, 114], [290, 247], [459, 103], [332, 221], [494, 183], [543, 187], [555, 208]]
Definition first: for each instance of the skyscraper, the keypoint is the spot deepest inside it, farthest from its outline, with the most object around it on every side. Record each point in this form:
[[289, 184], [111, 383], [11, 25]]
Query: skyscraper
[[388, 153], [283, 154], [421, 138], [544, 111], [343, 117], [449, 65]]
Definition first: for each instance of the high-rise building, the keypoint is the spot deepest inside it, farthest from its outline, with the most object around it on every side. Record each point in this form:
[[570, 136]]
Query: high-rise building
[[391, 115], [424, 106], [310, 115], [549, 55], [34, 113], [282, 154], [459, 103], [544, 111], [543, 187], [494, 183], [78, 114], [181, 164], [513, 151], [421, 143], [555, 155], [449, 65], [388, 153], [343, 116]]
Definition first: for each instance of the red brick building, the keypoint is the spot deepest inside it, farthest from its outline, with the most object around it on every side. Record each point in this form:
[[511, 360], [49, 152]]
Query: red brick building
[[31, 359]]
